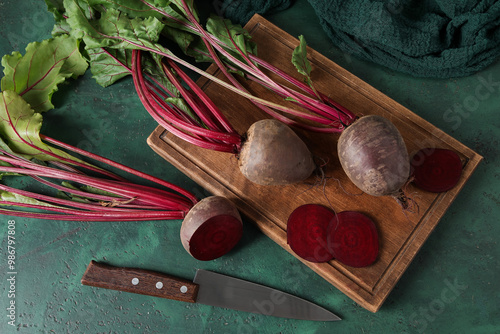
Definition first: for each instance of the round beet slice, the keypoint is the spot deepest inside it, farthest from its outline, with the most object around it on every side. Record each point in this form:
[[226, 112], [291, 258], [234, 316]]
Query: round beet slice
[[307, 232], [353, 239], [436, 169], [215, 237]]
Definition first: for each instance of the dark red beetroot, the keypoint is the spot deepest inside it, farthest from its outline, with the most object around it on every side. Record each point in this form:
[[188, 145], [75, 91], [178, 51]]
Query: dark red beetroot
[[307, 232], [211, 228], [436, 169], [353, 239]]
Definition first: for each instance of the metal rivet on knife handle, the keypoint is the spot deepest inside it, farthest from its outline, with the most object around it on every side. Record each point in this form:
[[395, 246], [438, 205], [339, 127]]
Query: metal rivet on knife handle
[[184, 289], [159, 285], [135, 281]]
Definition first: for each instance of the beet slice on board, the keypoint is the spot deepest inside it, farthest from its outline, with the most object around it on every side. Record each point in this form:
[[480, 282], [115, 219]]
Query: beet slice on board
[[436, 169], [307, 232], [353, 239]]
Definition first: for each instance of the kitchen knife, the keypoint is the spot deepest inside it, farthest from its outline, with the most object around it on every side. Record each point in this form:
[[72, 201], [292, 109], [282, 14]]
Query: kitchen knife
[[207, 288]]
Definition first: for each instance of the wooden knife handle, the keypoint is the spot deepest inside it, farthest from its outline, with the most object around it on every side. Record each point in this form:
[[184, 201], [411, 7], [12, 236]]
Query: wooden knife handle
[[140, 281]]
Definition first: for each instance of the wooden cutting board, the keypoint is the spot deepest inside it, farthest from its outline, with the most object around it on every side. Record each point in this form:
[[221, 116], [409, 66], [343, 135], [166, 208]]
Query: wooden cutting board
[[401, 233]]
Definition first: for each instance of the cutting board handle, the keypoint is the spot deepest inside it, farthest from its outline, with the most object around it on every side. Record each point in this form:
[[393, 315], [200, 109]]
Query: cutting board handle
[[139, 281]]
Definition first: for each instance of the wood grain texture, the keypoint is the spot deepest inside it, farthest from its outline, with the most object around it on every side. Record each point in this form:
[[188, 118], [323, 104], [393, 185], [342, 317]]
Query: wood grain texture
[[402, 233], [144, 282]]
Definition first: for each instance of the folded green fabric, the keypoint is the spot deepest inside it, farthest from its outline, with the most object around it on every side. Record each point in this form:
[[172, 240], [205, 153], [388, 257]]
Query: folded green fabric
[[426, 38], [240, 11]]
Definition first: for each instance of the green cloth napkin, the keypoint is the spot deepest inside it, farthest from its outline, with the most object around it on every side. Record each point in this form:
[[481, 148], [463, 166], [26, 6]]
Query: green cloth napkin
[[426, 38], [241, 11]]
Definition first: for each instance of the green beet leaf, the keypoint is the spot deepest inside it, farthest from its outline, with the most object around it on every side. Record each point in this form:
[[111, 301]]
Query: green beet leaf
[[79, 198], [302, 64], [299, 59], [6, 196], [190, 4], [56, 7], [136, 8], [36, 75], [190, 44], [231, 35], [5, 148], [152, 65], [113, 29], [20, 129], [105, 64]]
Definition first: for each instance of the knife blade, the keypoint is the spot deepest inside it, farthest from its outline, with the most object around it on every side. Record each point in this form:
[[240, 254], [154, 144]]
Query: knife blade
[[207, 288]]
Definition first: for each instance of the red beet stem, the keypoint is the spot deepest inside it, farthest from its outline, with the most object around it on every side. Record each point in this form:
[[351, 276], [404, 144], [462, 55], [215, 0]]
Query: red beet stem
[[141, 194], [197, 135], [75, 215], [204, 98], [122, 167]]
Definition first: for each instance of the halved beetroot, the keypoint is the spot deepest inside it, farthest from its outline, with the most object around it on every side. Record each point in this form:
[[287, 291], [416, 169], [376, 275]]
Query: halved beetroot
[[211, 228], [436, 169], [307, 232], [353, 239]]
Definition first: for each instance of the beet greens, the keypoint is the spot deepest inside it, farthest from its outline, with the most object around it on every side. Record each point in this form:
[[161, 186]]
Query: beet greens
[[141, 25], [117, 31], [71, 189], [84, 192], [126, 38], [36, 81]]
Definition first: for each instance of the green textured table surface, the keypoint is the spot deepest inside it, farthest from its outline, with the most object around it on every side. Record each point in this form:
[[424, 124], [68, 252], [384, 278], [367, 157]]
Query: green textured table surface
[[452, 286]]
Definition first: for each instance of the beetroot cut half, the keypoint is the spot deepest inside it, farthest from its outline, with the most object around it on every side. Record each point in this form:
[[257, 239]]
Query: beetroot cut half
[[436, 169], [211, 228], [307, 229], [353, 239]]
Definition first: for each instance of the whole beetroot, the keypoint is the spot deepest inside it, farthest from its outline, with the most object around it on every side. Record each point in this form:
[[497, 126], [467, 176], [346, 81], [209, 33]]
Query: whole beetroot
[[273, 154], [374, 156]]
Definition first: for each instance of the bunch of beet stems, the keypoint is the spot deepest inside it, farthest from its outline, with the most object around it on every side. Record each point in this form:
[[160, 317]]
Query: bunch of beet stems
[[205, 126], [113, 197], [317, 107]]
